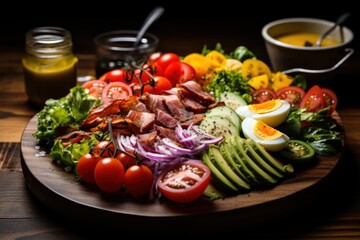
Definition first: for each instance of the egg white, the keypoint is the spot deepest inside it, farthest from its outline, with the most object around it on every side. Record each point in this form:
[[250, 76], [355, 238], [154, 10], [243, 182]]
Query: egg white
[[273, 118], [248, 126]]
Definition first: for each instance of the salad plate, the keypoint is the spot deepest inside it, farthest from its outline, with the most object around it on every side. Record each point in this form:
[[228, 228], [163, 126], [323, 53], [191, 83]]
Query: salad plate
[[60, 192]]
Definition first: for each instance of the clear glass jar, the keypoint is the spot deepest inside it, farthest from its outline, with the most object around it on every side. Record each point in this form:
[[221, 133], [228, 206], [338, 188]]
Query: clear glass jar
[[50, 68], [115, 49]]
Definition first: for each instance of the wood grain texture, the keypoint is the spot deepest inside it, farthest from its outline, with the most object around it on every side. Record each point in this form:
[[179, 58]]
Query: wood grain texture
[[60, 191]]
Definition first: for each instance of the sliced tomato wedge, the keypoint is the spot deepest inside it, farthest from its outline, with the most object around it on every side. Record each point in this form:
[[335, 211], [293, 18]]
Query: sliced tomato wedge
[[185, 182], [313, 100], [291, 94], [263, 95], [116, 90], [330, 98]]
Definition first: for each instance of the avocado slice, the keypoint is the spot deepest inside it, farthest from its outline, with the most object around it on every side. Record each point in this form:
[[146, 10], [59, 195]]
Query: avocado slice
[[222, 165], [238, 157], [261, 162], [226, 184], [284, 168], [261, 175]]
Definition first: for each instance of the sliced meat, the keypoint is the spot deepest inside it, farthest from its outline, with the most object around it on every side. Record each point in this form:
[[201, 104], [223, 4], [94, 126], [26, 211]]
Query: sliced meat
[[177, 109], [165, 120], [166, 132], [196, 92], [147, 139], [142, 120], [196, 120], [154, 102]]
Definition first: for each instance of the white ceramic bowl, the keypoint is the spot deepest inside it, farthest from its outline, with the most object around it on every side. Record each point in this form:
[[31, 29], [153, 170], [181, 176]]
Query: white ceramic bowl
[[285, 56]]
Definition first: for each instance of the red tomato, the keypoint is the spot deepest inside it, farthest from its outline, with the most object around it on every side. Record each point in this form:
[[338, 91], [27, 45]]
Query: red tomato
[[125, 159], [160, 84], [118, 75], [330, 98], [263, 95], [162, 62], [313, 100], [95, 87], [179, 72], [139, 180], [109, 174], [104, 148], [291, 94], [143, 74], [86, 167], [185, 182], [116, 90], [153, 57]]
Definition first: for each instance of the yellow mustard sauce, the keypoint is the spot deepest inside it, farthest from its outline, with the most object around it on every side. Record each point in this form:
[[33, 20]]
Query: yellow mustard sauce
[[49, 78], [306, 39]]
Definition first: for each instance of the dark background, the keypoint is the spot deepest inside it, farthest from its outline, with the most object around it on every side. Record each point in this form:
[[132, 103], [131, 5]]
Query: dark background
[[185, 26], [182, 28]]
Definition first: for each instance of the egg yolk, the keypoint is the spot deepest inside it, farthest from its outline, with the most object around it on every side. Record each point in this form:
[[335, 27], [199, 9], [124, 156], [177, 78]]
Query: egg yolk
[[264, 131], [265, 107]]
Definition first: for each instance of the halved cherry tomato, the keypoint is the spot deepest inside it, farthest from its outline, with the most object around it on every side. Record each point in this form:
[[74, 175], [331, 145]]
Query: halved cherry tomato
[[109, 174], [159, 85], [116, 90], [95, 87], [185, 182], [313, 100], [179, 72], [86, 166], [139, 180], [291, 94], [330, 98], [263, 95]]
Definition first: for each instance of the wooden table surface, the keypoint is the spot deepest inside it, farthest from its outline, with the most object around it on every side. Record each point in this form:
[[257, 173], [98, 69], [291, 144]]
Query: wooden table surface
[[336, 214]]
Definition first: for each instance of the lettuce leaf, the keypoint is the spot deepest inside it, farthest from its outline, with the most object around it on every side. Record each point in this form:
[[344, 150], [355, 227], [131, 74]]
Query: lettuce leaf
[[66, 112]]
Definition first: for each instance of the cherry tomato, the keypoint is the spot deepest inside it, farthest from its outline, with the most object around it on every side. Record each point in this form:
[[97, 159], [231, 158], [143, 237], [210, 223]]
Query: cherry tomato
[[86, 167], [263, 95], [185, 182], [143, 74], [313, 100], [109, 174], [125, 159], [95, 87], [291, 94], [179, 72], [104, 148], [162, 62], [116, 90], [153, 57], [118, 75], [330, 98], [160, 84], [139, 180]]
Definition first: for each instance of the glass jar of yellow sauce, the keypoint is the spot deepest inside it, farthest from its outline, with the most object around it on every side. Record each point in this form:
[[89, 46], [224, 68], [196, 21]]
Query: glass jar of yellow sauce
[[50, 68]]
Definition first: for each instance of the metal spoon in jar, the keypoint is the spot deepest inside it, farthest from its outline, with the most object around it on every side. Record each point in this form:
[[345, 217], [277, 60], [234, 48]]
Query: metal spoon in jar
[[338, 22], [154, 14]]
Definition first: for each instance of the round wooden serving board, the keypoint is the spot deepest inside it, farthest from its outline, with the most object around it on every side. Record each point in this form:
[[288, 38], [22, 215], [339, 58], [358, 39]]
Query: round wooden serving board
[[62, 193]]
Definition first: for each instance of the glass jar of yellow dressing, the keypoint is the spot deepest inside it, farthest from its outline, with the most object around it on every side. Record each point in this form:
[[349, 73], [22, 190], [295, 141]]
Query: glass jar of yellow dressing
[[50, 68]]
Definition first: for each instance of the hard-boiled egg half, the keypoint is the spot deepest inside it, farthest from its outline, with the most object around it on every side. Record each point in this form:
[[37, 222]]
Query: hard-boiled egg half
[[272, 112], [268, 137]]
